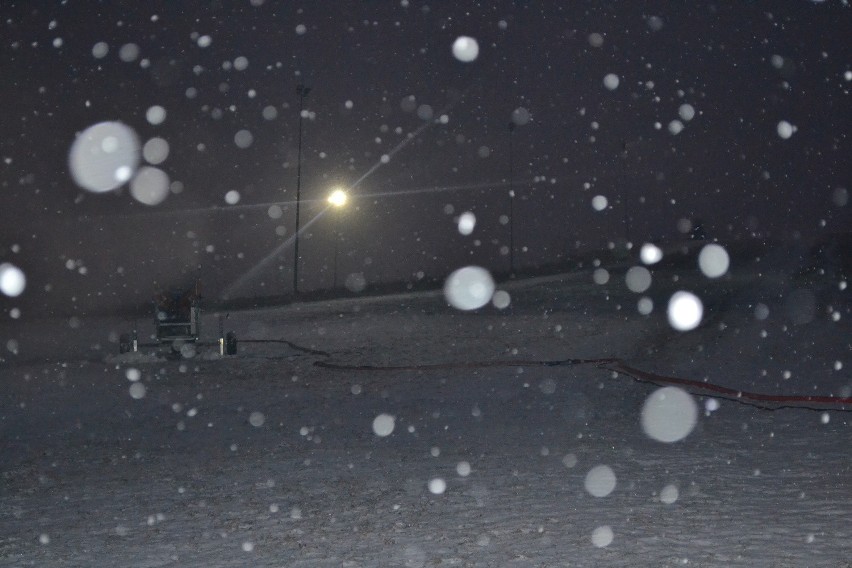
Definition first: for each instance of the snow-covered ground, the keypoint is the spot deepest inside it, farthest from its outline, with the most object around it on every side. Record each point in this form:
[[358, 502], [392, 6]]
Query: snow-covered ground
[[266, 459]]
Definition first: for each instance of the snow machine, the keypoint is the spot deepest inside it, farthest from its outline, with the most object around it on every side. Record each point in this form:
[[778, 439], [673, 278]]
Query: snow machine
[[177, 317]]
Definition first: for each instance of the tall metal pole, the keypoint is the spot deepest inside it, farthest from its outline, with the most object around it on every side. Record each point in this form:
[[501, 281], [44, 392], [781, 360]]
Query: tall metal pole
[[511, 202], [302, 91], [336, 245], [625, 209]]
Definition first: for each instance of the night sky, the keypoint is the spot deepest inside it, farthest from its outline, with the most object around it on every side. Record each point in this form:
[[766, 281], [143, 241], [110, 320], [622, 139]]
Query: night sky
[[417, 136]]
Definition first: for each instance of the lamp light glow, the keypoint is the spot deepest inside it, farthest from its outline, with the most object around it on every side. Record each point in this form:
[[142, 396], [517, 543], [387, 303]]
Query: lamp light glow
[[338, 198]]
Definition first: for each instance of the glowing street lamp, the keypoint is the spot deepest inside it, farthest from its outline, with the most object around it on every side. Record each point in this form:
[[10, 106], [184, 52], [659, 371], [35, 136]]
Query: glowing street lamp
[[337, 200]]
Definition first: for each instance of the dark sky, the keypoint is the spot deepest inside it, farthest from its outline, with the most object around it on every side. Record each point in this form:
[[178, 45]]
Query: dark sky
[[372, 66]]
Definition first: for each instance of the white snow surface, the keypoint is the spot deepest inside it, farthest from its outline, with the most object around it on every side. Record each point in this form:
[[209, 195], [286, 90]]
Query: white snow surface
[[191, 474]]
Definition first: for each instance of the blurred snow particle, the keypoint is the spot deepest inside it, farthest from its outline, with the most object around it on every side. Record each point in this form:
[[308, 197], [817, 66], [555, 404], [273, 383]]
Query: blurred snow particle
[[188, 350], [205, 41], [650, 253], [243, 139], [600, 276], [241, 63], [155, 115], [463, 468], [274, 212], [137, 390], [684, 225], [761, 311], [840, 196], [600, 481], [638, 279], [569, 461], [100, 50], [686, 112], [685, 311], [425, 112], [611, 81], [713, 261], [645, 305], [596, 40], [655, 23], [43, 538], [437, 486], [269, 112], [301, 29], [248, 546], [257, 419], [602, 536], [711, 405], [547, 386], [355, 282], [599, 203], [128, 52], [383, 425], [501, 299], [133, 374], [150, 186], [232, 197], [469, 288], [675, 127], [467, 221], [669, 414], [12, 280], [465, 49], [669, 494], [825, 418], [520, 116], [155, 151], [104, 156], [785, 129]]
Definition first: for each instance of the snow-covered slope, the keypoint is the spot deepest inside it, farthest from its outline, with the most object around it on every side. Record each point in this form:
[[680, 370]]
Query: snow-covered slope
[[474, 454]]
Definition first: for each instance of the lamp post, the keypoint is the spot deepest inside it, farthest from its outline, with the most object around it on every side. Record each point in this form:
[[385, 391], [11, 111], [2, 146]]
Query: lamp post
[[624, 207], [302, 91], [337, 199], [511, 203]]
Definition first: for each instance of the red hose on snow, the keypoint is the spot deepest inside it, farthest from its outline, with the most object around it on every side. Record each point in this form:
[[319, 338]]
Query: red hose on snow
[[698, 388]]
